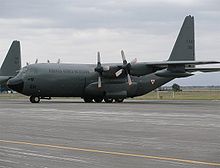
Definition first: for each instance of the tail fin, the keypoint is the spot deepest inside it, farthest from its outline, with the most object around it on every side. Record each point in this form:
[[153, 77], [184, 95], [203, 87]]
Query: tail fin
[[12, 62], [184, 48]]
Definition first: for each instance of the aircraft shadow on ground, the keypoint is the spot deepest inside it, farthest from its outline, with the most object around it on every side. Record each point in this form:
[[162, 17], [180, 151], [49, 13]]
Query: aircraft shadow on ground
[[165, 102]]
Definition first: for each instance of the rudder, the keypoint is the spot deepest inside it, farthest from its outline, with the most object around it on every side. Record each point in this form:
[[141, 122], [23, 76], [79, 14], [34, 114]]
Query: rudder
[[184, 47], [12, 62]]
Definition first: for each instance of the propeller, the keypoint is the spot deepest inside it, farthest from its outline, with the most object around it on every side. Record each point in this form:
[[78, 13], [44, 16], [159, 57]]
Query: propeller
[[36, 61], [126, 67], [99, 69]]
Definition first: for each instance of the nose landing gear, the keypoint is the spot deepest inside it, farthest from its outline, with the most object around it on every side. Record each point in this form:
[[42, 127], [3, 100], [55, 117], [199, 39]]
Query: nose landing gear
[[34, 99]]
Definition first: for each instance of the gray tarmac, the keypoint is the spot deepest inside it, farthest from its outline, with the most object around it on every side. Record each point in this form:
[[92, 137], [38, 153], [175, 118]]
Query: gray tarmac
[[67, 133]]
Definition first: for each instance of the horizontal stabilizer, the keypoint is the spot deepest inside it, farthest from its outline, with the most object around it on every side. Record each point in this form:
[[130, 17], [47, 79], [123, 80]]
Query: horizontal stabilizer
[[4, 79]]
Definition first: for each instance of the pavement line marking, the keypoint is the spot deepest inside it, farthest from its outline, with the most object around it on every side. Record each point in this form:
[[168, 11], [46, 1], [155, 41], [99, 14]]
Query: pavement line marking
[[114, 153]]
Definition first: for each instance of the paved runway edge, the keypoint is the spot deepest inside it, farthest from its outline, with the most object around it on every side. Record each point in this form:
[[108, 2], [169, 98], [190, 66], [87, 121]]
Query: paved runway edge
[[112, 153]]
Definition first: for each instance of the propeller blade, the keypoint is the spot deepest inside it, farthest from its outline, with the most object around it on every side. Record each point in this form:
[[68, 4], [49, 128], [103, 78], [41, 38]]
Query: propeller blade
[[119, 72], [98, 59], [123, 57], [99, 69], [36, 61], [58, 61], [129, 80], [99, 82], [126, 67]]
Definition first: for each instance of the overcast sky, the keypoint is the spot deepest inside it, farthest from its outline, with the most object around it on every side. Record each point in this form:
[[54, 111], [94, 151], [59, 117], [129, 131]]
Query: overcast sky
[[75, 30]]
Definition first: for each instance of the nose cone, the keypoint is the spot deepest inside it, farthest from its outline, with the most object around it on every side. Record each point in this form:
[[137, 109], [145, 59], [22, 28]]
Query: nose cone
[[16, 84]]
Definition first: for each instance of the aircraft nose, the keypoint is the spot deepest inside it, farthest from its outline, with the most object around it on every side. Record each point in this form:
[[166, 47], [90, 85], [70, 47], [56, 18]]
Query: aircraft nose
[[16, 84]]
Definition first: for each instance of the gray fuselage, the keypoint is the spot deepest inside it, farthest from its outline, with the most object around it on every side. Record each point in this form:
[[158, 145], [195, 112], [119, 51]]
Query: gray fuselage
[[80, 80]]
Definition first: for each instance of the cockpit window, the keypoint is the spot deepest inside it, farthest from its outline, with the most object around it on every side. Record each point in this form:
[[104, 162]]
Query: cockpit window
[[27, 71], [31, 71], [22, 72]]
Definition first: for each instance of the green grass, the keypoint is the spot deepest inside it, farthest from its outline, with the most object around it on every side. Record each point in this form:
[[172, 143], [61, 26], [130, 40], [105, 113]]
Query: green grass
[[184, 95]]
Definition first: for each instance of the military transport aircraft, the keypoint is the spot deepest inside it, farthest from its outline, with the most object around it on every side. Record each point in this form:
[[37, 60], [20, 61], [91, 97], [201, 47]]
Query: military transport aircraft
[[111, 82], [12, 63]]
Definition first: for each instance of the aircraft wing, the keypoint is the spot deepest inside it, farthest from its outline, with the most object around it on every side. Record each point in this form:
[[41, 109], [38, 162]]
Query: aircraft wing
[[166, 63], [144, 68], [203, 69], [4, 79]]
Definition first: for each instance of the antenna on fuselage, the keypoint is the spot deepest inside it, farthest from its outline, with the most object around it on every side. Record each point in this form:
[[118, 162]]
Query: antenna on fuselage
[[36, 61], [58, 61]]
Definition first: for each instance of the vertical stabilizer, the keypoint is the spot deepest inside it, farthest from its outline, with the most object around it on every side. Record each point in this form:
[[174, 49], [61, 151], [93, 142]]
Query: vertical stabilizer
[[184, 47], [12, 62]]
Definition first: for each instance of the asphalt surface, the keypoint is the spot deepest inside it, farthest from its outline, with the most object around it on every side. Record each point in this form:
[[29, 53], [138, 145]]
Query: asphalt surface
[[134, 134]]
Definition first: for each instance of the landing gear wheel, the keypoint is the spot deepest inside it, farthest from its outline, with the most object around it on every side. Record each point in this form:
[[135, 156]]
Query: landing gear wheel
[[34, 99], [98, 99], [119, 100], [87, 100], [108, 100]]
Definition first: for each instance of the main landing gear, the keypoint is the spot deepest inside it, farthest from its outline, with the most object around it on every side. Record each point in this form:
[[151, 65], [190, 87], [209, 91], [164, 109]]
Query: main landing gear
[[108, 100], [36, 99], [100, 99], [119, 100]]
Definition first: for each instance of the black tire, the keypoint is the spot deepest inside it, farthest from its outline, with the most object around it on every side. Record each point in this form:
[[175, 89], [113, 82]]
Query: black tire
[[108, 100], [87, 100], [119, 100], [34, 99], [98, 99]]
